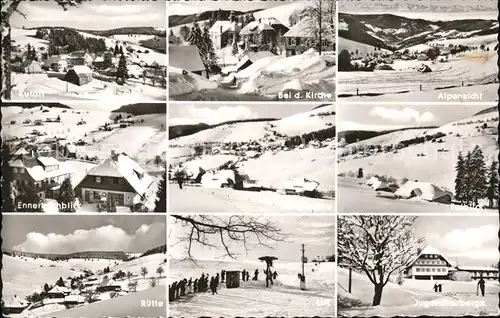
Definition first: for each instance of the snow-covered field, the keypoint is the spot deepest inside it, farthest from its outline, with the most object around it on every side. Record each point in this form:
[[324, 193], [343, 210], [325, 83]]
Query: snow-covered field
[[477, 73], [436, 166], [402, 299], [23, 276], [252, 298]]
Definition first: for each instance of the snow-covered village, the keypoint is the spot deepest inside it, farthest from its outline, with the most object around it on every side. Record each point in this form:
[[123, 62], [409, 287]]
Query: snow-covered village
[[251, 158], [434, 266], [418, 50], [84, 157], [435, 158], [252, 50], [246, 266], [85, 50], [84, 266]]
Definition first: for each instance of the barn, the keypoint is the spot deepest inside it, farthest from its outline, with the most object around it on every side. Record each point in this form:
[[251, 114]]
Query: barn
[[79, 75]]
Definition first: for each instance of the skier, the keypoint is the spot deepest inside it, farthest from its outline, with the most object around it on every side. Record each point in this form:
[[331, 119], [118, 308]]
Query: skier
[[190, 285], [481, 284]]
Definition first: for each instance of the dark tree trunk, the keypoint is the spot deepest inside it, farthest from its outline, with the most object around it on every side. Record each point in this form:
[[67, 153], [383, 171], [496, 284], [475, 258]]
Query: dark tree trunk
[[377, 297], [6, 67]]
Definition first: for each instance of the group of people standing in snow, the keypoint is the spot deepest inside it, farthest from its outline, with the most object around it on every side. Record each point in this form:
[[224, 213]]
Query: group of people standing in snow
[[185, 287]]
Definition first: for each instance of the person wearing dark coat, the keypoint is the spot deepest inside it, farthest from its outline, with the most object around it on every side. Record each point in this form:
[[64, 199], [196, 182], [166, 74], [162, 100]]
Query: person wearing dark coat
[[243, 275], [183, 287], [213, 285], [256, 275], [481, 284], [169, 293], [200, 284], [217, 279], [248, 275], [195, 285], [275, 275], [189, 285], [179, 284]]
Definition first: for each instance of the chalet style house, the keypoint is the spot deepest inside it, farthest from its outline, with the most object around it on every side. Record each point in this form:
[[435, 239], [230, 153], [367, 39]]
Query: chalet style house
[[222, 32], [264, 30], [432, 264], [297, 38], [40, 170], [118, 177]]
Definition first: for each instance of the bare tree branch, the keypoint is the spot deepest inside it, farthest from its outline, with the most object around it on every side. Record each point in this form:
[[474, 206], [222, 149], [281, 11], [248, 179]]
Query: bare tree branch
[[223, 232]]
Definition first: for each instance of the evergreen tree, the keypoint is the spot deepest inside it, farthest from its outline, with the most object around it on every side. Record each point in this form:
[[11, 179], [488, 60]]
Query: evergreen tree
[[60, 282], [195, 36], [121, 72], [28, 199], [210, 58], [121, 49], [161, 195], [492, 191], [232, 17], [477, 177], [46, 287], [66, 197], [117, 50], [460, 181], [108, 61]]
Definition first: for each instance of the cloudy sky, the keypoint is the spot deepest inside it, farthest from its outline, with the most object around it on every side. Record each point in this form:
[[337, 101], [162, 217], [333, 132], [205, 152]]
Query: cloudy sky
[[393, 116], [316, 232], [75, 233], [92, 15], [185, 114], [192, 7], [471, 239]]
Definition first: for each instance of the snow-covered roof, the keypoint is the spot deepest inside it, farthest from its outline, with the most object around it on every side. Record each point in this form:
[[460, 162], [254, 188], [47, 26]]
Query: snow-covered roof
[[35, 167], [254, 56], [81, 69], [300, 184], [186, 57], [123, 166], [79, 54], [217, 178], [478, 268], [58, 290], [15, 302], [428, 191], [55, 59], [256, 27], [74, 298], [71, 148], [429, 250], [99, 59], [220, 27], [300, 30]]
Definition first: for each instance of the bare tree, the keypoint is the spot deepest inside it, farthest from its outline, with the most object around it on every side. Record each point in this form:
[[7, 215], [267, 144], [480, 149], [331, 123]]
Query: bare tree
[[220, 232], [321, 20], [9, 7], [377, 246]]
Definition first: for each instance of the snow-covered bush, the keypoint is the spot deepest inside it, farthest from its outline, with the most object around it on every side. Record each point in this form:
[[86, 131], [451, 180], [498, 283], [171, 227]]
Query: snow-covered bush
[[461, 276]]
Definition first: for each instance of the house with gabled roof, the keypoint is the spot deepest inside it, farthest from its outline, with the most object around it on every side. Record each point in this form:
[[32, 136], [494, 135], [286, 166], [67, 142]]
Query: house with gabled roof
[[429, 264], [264, 30], [187, 57], [80, 58], [119, 177], [424, 190], [298, 37], [58, 292], [14, 305], [42, 172], [58, 63], [79, 75], [222, 32]]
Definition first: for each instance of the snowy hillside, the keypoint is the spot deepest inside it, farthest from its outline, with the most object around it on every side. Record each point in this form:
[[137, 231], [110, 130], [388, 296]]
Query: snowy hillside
[[284, 298]]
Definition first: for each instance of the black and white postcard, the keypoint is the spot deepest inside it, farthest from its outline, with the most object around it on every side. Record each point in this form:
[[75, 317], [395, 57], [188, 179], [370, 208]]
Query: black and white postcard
[[85, 50], [84, 157], [435, 158], [251, 158], [252, 50], [84, 266], [418, 51], [265, 266], [436, 266]]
